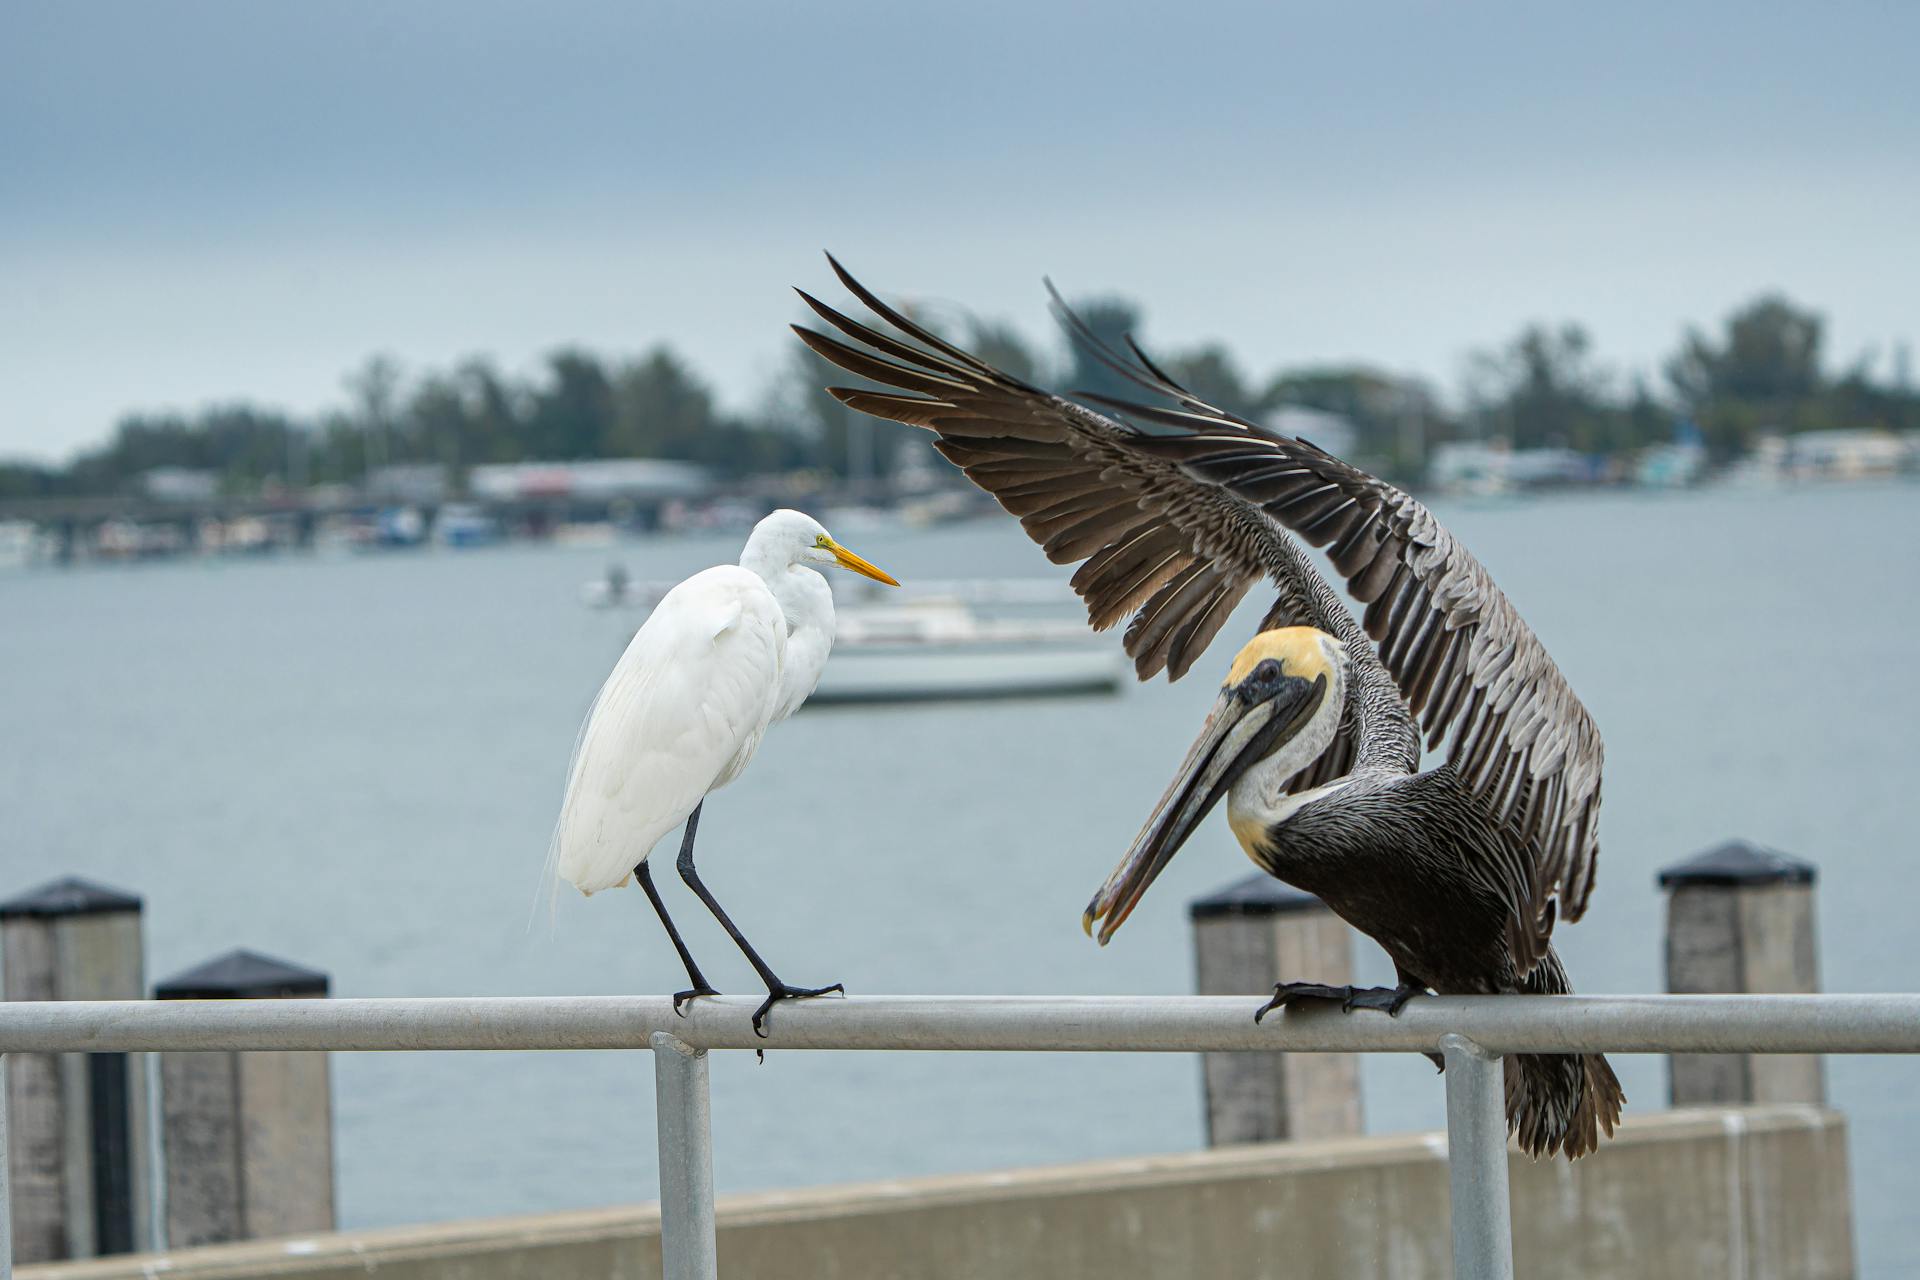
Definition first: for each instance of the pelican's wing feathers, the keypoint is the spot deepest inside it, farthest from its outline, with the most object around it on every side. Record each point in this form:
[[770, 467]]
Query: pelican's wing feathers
[[1175, 556], [681, 714], [1175, 523], [1468, 665]]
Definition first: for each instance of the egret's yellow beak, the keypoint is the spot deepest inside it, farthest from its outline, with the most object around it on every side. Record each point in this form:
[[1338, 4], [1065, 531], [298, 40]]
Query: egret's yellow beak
[[847, 560]]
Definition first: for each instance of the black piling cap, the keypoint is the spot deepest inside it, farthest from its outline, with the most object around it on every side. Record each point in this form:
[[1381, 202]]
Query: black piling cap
[[1738, 863], [242, 975], [69, 896], [1257, 895]]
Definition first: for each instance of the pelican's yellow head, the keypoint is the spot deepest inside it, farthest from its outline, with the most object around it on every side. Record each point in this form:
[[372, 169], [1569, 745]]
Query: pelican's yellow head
[[1306, 652], [1277, 709]]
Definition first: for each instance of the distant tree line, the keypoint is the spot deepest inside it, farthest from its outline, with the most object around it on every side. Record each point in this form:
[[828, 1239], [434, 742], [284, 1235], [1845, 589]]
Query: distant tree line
[[1764, 373]]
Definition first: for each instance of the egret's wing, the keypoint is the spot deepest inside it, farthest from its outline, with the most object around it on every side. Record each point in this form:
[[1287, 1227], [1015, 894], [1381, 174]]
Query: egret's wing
[[681, 714], [1176, 521]]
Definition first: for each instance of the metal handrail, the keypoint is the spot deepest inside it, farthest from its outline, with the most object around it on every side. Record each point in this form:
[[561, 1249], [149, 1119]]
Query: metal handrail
[[1471, 1031], [1152, 1024]]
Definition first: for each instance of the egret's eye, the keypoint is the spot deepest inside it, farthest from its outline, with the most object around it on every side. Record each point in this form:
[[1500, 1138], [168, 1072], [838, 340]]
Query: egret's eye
[[823, 541]]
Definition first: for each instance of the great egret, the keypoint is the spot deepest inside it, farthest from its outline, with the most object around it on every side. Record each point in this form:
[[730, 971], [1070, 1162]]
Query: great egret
[[725, 654], [1177, 510]]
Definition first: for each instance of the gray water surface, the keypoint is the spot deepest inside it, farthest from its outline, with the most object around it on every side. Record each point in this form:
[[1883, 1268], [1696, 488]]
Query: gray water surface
[[355, 763]]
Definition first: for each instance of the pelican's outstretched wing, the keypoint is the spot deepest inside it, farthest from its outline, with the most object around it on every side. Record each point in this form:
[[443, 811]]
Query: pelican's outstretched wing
[[1175, 523], [1176, 555], [1468, 665]]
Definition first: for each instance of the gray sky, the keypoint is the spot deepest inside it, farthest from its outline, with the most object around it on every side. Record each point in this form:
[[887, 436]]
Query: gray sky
[[229, 199]]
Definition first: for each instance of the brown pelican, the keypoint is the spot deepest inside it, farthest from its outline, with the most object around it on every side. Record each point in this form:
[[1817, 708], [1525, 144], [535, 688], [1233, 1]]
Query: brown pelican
[[1175, 510]]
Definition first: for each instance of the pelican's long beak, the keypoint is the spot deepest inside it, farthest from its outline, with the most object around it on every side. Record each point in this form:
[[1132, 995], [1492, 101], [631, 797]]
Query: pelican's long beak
[[848, 560], [1243, 728]]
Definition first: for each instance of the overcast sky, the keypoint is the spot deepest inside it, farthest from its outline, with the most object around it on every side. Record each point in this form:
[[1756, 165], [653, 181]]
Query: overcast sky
[[236, 200]]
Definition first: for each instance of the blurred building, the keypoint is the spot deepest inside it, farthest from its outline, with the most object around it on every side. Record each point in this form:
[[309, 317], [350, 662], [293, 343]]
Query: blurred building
[[1845, 455], [179, 484], [1481, 467], [408, 482], [644, 480], [1329, 431]]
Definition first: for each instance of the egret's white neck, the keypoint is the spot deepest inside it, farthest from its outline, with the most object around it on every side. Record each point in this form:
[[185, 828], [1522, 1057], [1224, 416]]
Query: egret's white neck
[[764, 557], [1258, 798], [807, 601]]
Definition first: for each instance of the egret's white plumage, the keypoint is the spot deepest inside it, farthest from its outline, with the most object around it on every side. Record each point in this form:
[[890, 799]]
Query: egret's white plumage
[[725, 654], [681, 715]]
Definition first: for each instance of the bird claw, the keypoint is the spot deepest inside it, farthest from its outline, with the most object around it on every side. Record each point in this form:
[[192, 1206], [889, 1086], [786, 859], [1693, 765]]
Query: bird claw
[[1287, 994], [785, 992], [681, 998], [1387, 1000]]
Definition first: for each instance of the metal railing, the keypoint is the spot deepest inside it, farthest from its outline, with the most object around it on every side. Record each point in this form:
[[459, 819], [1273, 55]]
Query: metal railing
[[1471, 1032]]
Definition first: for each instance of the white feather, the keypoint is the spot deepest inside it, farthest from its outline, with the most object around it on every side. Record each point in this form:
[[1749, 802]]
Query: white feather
[[681, 715]]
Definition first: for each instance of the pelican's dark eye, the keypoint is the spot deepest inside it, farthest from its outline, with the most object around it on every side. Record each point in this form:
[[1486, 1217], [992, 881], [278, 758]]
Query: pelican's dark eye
[[1261, 681]]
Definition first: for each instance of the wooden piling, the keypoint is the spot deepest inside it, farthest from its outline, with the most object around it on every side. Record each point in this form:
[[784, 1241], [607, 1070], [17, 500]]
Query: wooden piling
[[1740, 919], [248, 1136], [1247, 937], [79, 1155]]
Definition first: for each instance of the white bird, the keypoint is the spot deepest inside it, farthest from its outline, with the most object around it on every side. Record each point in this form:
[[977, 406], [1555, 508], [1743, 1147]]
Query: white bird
[[724, 655]]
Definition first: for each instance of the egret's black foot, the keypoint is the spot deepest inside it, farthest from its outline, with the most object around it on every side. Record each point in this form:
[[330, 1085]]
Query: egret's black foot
[[687, 997], [1288, 994], [1387, 1000], [781, 991]]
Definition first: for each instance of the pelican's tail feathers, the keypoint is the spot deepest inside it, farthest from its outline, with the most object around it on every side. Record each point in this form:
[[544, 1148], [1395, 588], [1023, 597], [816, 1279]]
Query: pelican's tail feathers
[[1560, 1103]]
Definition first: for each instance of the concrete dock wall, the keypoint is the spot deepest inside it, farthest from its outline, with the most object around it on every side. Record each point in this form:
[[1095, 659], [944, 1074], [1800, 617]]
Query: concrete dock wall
[[1756, 1193]]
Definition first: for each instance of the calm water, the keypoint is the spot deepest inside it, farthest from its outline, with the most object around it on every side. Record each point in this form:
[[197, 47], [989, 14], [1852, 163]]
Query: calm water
[[355, 764]]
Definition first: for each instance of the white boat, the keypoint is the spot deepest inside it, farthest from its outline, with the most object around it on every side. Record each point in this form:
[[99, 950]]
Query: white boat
[[940, 647], [940, 640], [19, 541]]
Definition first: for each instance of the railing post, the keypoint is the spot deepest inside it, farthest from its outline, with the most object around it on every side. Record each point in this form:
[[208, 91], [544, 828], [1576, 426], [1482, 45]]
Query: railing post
[[1246, 937], [248, 1137], [1477, 1161], [6, 1184], [683, 1120], [81, 1158], [1740, 918]]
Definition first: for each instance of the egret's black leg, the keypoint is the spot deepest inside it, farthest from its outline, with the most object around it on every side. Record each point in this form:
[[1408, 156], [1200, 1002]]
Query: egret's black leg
[[701, 987], [1387, 1000], [776, 989]]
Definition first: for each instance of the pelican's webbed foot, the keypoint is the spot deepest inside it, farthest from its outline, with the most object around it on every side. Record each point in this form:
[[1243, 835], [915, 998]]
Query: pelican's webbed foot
[[1288, 994], [1387, 1000], [779, 991]]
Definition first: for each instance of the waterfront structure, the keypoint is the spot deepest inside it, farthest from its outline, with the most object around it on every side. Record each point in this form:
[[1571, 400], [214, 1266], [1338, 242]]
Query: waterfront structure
[[1460, 872], [1242, 936], [1740, 918], [605, 480], [248, 1137], [78, 1157], [726, 654]]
